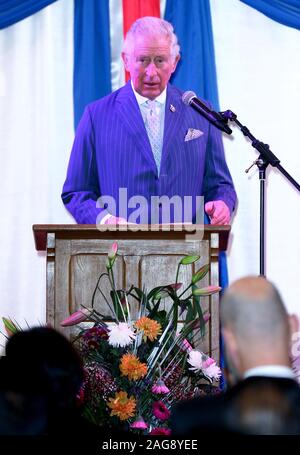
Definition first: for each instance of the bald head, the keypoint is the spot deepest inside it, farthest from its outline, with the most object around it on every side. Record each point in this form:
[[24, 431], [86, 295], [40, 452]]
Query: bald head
[[254, 287], [254, 311]]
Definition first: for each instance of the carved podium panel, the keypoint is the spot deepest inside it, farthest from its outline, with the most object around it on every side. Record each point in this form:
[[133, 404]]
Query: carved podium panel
[[76, 256]]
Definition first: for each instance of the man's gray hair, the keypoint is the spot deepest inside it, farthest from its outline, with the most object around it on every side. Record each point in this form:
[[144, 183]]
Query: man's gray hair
[[253, 309], [151, 26]]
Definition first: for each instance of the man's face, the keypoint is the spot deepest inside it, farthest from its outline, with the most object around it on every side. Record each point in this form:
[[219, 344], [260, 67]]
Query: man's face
[[150, 65]]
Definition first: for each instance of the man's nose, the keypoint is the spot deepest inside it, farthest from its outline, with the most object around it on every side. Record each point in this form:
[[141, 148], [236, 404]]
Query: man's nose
[[151, 70]]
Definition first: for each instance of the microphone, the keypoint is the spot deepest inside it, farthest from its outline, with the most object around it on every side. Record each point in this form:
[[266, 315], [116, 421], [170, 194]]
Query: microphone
[[190, 99]]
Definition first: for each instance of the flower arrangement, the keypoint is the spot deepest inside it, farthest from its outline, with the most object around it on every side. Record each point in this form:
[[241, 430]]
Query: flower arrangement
[[136, 369]]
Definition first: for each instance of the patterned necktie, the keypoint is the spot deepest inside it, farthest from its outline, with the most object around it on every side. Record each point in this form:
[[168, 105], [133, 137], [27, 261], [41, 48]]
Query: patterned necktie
[[153, 130]]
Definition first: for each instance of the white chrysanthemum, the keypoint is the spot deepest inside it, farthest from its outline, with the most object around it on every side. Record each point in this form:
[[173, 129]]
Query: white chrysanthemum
[[120, 335], [195, 360], [211, 370]]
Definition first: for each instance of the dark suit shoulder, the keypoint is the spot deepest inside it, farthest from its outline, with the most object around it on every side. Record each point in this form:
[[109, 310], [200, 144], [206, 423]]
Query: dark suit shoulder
[[261, 381], [203, 414], [102, 103], [109, 101], [256, 405]]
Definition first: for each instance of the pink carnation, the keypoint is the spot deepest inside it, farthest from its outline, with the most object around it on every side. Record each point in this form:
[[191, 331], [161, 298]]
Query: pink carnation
[[208, 362], [139, 424], [160, 387], [211, 369], [160, 410]]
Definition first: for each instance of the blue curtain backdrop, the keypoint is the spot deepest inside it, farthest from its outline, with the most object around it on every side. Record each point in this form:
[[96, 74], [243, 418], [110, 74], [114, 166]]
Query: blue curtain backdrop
[[196, 70], [12, 11], [91, 77], [287, 12]]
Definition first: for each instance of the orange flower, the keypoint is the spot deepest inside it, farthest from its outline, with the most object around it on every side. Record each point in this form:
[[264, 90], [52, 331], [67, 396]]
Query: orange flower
[[150, 328], [122, 406], [131, 366]]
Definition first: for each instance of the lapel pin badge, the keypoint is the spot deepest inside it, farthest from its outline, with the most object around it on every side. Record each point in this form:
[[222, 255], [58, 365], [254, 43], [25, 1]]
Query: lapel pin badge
[[172, 108]]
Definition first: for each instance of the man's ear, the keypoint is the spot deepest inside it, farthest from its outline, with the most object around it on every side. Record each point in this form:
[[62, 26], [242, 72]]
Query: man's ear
[[231, 346], [125, 60], [293, 323], [229, 339], [175, 63], [232, 357]]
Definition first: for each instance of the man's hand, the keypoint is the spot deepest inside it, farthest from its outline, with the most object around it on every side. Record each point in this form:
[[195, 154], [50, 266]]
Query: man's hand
[[218, 212]]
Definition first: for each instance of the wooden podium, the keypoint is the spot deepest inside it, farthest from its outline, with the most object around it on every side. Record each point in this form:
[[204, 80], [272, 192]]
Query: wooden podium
[[76, 256]]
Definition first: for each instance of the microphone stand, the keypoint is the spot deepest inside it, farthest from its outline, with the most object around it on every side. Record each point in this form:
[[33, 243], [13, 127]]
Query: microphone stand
[[265, 158]]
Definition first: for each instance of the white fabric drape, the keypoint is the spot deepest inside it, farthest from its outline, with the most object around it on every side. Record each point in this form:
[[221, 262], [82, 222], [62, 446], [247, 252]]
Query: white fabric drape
[[36, 130], [258, 78]]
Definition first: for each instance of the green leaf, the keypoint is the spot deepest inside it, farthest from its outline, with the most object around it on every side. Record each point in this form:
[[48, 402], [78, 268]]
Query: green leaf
[[163, 292], [191, 313], [10, 326], [198, 308], [175, 314], [200, 273], [110, 262], [153, 311], [189, 260], [155, 292], [139, 293], [118, 310]]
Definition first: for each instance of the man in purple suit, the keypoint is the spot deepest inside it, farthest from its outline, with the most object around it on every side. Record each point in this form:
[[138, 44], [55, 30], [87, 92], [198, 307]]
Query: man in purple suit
[[140, 154]]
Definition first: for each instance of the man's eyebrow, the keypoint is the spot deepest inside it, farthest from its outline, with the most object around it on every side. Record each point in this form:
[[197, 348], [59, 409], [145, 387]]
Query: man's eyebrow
[[149, 56]]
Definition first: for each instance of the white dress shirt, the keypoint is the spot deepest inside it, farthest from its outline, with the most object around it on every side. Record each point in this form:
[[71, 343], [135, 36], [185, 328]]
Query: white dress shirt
[[160, 106], [274, 371]]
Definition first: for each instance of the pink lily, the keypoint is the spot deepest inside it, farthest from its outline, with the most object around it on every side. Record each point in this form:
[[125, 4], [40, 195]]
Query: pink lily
[[113, 251], [209, 290], [77, 317], [175, 286]]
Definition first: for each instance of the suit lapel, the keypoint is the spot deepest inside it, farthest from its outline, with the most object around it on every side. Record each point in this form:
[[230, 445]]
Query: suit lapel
[[173, 119], [129, 111]]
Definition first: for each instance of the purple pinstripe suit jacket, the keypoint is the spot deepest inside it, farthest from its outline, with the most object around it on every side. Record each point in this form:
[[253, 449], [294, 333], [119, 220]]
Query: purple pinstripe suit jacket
[[111, 150]]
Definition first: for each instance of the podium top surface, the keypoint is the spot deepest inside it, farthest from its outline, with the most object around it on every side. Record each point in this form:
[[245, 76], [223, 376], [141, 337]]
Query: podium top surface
[[134, 231]]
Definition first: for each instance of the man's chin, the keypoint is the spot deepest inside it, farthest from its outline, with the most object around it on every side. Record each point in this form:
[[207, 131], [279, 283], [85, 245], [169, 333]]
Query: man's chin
[[151, 91]]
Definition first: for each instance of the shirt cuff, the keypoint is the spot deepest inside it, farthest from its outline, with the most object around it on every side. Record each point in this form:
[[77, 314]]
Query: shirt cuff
[[105, 218]]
